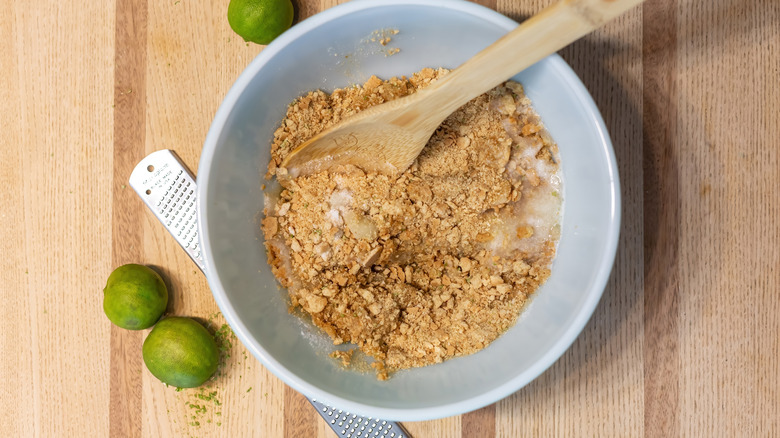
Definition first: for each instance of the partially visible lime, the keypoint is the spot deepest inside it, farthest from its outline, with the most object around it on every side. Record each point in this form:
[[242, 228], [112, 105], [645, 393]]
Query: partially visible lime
[[134, 297], [181, 352], [260, 21]]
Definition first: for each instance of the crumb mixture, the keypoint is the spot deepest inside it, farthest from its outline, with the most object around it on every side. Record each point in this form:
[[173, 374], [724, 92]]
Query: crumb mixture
[[427, 265], [345, 357], [384, 37]]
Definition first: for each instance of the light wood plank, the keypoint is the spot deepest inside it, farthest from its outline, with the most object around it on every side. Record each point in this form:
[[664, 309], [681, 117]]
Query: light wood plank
[[726, 137], [189, 69], [17, 340], [445, 427], [57, 130]]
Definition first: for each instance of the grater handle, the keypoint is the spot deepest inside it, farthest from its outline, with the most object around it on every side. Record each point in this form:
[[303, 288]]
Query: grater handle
[[168, 189]]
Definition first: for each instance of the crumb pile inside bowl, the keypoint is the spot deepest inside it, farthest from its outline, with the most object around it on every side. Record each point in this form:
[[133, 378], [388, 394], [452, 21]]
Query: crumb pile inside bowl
[[433, 263]]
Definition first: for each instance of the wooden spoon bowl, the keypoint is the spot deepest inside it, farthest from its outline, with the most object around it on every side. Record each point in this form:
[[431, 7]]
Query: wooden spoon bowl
[[388, 138]]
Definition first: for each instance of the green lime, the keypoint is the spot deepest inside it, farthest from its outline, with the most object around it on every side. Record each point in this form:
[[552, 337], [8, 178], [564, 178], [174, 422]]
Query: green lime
[[181, 352], [134, 297], [260, 21]]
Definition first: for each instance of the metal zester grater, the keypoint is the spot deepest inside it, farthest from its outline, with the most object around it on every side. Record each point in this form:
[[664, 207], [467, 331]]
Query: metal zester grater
[[168, 189]]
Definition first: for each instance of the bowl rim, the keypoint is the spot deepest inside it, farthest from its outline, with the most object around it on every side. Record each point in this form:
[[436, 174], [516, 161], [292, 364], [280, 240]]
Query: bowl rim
[[416, 414]]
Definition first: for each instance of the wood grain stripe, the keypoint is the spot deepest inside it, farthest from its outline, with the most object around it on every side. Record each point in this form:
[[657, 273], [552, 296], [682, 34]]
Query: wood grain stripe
[[482, 422], [305, 9], [662, 218], [127, 210], [300, 419], [492, 4]]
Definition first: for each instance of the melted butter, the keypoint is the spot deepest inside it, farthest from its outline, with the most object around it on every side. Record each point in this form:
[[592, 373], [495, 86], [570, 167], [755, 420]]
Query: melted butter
[[539, 207]]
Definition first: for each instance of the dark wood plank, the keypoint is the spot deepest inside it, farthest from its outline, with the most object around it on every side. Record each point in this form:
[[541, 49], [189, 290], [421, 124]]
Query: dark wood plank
[[492, 4], [300, 419], [480, 423], [662, 216], [129, 140]]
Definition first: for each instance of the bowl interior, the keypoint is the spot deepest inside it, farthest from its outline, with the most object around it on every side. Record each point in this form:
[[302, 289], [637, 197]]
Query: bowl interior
[[334, 49]]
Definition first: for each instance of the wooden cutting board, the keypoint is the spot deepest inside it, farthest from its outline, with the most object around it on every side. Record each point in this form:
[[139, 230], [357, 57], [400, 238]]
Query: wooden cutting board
[[686, 340]]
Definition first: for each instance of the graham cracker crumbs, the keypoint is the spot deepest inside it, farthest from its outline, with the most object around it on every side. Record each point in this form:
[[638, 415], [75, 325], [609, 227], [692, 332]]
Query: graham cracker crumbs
[[345, 357], [431, 264], [383, 36], [381, 370]]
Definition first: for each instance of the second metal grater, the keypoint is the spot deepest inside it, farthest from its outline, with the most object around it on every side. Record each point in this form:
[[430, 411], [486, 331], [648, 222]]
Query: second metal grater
[[168, 189]]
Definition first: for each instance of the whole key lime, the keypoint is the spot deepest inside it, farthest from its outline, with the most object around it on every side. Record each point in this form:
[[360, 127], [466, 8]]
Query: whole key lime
[[135, 297], [181, 352], [260, 21]]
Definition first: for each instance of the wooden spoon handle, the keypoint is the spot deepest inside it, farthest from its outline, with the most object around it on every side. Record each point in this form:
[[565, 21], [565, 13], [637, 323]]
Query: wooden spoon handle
[[546, 32]]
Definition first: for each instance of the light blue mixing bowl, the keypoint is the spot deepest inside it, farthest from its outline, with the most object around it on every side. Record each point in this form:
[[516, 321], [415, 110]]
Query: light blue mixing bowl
[[311, 55]]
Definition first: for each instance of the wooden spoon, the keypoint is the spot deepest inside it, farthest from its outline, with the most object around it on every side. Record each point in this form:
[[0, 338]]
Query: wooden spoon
[[387, 138]]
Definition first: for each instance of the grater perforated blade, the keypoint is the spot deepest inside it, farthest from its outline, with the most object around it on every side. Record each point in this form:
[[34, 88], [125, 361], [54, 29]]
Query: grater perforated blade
[[350, 425], [168, 189]]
